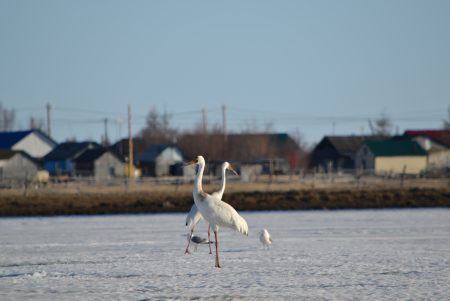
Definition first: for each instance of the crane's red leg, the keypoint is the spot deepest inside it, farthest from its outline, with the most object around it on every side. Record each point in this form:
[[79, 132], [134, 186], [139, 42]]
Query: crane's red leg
[[217, 249], [189, 241], [209, 239]]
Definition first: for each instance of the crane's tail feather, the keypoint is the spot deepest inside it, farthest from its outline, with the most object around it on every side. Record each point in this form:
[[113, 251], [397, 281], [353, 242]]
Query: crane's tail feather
[[242, 225]]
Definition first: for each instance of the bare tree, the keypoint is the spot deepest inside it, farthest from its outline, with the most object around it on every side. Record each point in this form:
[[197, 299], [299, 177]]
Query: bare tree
[[252, 126], [157, 129], [7, 119], [303, 153], [446, 125], [383, 125]]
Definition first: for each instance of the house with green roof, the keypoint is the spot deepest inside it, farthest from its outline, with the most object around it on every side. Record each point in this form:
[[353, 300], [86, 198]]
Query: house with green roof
[[391, 157]]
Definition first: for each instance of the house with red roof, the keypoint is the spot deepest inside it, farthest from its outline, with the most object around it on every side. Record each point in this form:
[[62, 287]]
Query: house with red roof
[[437, 145]]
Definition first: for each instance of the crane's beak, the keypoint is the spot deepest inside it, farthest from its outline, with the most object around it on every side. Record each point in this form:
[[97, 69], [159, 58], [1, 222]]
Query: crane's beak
[[190, 162], [230, 167]]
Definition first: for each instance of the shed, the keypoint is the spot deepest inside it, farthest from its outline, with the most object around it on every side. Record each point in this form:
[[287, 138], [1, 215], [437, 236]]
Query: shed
[[392, 157], [33, 142], [17, 166], [161, 160], [100, 164]]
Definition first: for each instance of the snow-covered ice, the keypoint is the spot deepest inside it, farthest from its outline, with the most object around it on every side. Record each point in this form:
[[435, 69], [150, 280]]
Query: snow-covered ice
[[316, 255]]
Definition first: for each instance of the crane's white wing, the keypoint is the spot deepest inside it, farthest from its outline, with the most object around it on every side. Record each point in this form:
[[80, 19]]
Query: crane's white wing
[[226, 216], [193, 217]]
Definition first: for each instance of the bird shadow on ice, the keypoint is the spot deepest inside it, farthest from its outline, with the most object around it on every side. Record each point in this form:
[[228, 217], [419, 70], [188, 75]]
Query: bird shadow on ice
[[234, 251]]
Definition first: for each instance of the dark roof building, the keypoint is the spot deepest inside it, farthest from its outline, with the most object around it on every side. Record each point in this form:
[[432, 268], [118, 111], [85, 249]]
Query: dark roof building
[[338, 152], [90, 155], [70, 150], [61, 160]]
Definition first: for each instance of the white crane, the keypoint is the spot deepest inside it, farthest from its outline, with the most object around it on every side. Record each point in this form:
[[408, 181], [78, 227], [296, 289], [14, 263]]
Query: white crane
[[216, 212], [192, 219], [194, 216], [264, 237]]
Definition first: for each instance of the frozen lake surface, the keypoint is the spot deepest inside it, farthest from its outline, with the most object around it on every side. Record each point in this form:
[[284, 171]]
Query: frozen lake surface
[[316, 255]]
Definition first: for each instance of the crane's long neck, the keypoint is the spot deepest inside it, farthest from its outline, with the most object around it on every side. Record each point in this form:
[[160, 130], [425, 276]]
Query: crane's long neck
[[199, 178], [223, 183]]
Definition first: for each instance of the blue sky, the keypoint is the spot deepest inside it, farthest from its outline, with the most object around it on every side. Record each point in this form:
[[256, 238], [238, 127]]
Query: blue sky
[[316, 67]]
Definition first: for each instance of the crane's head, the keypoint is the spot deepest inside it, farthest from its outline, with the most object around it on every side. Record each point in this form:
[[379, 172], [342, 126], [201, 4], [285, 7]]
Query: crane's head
[[197, 160], [230, 167]]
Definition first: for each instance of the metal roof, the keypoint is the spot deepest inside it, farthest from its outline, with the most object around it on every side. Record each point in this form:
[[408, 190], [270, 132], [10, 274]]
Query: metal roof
[[441, 136], [350, 144], [391, 148], [9, 139], [69, 150]]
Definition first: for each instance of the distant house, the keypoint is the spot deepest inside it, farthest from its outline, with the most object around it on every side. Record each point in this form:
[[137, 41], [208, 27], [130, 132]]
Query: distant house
[[33, 142], [17, 166], [121, 148], [60, 161], [338, 152], [99, 163], [439, 136], [161, 160], [239, 148], [437, 145], [391, 157]]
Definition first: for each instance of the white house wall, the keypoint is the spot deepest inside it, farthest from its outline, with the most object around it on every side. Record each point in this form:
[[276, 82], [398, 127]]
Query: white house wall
[[168, 157], [33, 145], [18, 167], [438, 160], [108, 166]]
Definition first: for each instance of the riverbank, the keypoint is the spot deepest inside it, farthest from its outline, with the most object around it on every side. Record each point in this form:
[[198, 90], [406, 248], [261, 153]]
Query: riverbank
[[110, 201]]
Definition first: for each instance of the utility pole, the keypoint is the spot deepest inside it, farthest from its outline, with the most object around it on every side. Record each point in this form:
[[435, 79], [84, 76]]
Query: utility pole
[[224, 129], [106, 140], [49, 127], [204, 122], [130, 145]]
